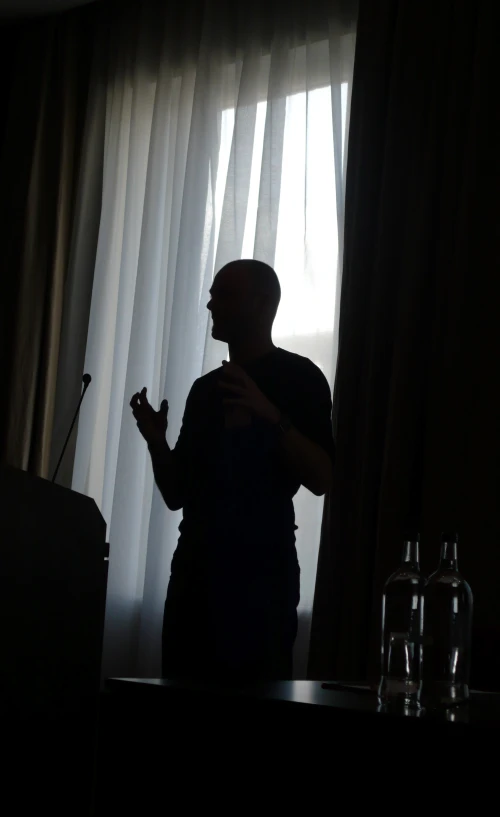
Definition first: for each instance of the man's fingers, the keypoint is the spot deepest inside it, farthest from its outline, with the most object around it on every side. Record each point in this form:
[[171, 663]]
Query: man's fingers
[[235, 401], [237, 388], [230, 379], [233, 370], [143, 400], [139, 401]]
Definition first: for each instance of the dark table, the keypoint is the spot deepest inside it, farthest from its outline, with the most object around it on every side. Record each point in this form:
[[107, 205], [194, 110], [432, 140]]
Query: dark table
[[167, 740]]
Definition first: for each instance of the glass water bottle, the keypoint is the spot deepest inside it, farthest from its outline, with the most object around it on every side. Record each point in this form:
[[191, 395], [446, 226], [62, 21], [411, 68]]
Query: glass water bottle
[[447, 631], [401, 649]]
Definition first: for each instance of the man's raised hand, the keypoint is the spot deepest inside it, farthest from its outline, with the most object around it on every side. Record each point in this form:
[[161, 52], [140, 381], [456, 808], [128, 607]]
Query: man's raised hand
[[243, 393], [152, 424]]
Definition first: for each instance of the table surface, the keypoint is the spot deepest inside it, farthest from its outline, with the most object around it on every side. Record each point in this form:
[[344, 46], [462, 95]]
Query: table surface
[[483, 708]]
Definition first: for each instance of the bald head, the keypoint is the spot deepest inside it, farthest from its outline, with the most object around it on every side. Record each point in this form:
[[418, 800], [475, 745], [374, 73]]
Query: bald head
[[244, 300], [263, 280]]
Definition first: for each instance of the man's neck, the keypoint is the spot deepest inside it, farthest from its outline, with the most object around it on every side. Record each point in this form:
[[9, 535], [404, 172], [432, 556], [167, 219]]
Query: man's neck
[[247, 352]]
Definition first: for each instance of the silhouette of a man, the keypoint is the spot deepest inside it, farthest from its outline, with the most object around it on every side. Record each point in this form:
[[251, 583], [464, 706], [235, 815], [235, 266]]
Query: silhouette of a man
[[253, 431]]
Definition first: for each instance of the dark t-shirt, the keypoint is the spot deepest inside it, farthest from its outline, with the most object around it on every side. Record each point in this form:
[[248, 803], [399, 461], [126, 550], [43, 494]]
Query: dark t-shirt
[[237, 487]]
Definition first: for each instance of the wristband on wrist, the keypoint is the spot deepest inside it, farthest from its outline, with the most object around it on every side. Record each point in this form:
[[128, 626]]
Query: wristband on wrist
[[284, 423]]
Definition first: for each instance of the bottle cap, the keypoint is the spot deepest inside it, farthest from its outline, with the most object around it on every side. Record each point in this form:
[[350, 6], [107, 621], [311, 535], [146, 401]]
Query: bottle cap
[[411, 536], [449, 537]]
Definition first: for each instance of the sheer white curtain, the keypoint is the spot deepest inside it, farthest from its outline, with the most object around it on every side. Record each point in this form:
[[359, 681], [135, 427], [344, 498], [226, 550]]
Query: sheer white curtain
[[225, 138]]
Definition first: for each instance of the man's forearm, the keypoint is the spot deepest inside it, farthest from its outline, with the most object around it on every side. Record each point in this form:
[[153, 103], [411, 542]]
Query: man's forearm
[[309, 462], [165, 475]]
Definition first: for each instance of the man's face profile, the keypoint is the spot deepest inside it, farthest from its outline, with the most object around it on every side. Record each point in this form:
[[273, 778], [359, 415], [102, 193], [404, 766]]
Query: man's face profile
[[232, 304]]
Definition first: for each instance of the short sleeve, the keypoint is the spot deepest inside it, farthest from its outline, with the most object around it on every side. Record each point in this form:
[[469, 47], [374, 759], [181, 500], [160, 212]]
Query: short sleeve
[[314, 410]]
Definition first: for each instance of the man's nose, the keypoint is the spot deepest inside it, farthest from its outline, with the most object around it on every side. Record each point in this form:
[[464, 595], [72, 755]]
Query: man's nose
[[209, 305]]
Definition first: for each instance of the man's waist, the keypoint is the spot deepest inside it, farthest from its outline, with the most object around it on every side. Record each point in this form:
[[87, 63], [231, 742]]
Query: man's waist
[[239, 548], [253, 506], [235, 527]]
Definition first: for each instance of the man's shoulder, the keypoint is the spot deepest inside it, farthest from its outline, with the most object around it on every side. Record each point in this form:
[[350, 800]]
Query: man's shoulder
[[300, 366], [290, 365], [206, 382]]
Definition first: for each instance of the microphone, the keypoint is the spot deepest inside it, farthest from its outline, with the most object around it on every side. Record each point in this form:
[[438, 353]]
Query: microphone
[[86, 381]]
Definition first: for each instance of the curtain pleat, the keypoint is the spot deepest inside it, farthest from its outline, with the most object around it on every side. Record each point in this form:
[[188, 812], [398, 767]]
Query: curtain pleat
[[415, 401], [38, 166]]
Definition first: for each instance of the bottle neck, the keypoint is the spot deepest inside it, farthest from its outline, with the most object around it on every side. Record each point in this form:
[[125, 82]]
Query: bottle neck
[[410, 555], [449, 556]]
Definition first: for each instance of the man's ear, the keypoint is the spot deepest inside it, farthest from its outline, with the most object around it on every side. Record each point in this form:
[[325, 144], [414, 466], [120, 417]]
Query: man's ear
[[261, 304]]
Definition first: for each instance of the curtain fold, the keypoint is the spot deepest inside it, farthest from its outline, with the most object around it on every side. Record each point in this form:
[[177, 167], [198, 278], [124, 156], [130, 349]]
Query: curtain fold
[[222, 127], [415, 400], [39, 160]]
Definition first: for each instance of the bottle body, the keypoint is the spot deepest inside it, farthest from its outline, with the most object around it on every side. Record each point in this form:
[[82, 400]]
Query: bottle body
[[447, 631], [401, 642]]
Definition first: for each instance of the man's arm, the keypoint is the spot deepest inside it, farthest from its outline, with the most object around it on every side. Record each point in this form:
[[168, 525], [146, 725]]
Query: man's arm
[[169, 464], [166, 474], [153, 426], [309, 462]]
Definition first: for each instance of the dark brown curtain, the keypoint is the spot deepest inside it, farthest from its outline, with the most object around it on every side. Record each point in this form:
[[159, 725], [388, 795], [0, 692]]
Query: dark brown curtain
[[45, 76], [416, 400]]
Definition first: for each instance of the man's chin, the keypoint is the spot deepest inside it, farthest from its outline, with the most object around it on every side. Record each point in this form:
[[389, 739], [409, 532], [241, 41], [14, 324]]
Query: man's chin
[[218, 335]]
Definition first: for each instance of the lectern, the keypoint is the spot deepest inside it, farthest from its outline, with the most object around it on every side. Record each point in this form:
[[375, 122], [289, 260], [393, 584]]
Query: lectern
[[53, 573]]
